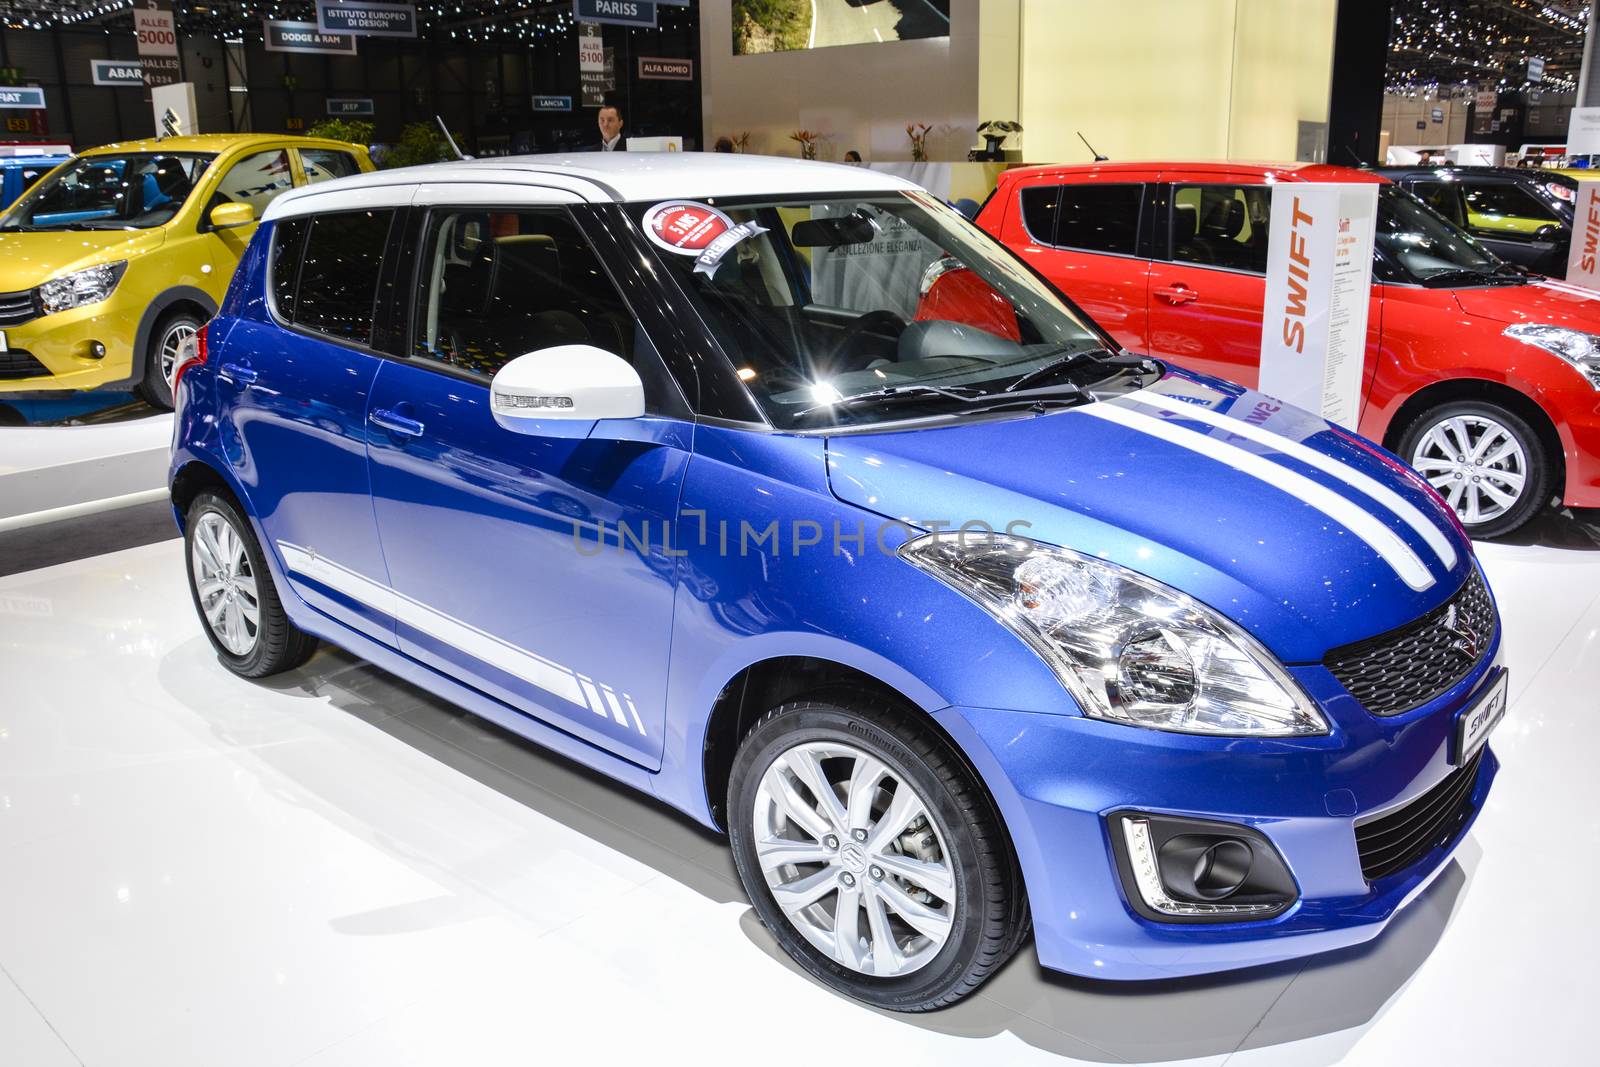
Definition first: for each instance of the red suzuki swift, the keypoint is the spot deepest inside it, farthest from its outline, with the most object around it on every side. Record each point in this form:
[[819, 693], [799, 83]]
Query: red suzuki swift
[[1482, 376]]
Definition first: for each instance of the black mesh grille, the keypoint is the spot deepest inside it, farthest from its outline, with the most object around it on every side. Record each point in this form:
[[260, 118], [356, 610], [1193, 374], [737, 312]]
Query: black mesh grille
[[19, 364], [1408, 667], [1395, 841], [16, 309]]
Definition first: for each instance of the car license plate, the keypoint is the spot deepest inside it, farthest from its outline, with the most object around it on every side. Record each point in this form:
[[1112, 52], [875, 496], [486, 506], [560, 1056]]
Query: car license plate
[[1475, 721]]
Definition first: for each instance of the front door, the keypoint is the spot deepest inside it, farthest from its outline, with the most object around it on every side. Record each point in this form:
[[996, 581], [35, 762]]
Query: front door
[[256, 179], [534, 568]]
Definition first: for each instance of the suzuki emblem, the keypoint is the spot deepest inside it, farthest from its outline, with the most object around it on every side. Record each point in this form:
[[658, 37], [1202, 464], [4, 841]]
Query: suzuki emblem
[[1467, 640]]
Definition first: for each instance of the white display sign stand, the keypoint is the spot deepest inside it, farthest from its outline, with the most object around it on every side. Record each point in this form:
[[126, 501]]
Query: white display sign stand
[[656, 144], [1319, 284], [1583, 131], [174, 109], [1583, 262]]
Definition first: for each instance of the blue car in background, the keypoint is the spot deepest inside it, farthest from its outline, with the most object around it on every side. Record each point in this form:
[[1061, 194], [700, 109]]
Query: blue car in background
[[18, 173], [960, 628]]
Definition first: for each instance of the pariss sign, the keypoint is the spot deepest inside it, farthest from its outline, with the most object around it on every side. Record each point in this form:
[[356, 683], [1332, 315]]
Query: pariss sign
[[1319, 284]]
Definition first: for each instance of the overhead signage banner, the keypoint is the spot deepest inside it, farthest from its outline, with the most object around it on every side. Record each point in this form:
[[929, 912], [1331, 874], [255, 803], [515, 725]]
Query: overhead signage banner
[[116, 72], [552, 103], [28, 97], [281, 36], [618, 12], [597, 72], [656, 68], [1536, 68], [351, 105], [1319, 286], [1583, 262], [156, 32], [366, 18]]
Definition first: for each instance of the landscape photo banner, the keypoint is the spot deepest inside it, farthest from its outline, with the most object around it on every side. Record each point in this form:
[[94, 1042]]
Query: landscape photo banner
[[795, 25]]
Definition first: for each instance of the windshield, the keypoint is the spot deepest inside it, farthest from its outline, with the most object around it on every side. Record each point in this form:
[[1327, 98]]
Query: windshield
[[115, 192], [1417, 244], [851, 309]]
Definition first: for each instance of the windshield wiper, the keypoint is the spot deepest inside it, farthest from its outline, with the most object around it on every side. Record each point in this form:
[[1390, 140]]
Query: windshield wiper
[[965, 394], [1056, 366], [1445, 279]]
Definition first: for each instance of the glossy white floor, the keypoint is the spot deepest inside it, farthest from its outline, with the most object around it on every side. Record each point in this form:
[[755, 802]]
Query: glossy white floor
[[334, 868]]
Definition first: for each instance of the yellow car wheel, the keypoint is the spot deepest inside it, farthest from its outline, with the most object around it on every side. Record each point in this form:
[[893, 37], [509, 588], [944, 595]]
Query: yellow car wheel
[[166, 344]]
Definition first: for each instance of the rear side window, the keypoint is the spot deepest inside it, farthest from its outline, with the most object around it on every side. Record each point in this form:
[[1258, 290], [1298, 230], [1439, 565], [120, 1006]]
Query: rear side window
[[289, 237], [1039, 204], [339, 271], [1222, 226], [1099, 218], [323, 164], [1443, 197]]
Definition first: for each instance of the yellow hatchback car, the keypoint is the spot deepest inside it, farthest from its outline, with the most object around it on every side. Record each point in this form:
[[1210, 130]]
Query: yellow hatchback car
[[115, 258]]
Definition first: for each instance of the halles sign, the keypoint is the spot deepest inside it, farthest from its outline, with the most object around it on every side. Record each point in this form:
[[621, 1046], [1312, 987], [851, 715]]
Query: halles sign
[[1319, 285]]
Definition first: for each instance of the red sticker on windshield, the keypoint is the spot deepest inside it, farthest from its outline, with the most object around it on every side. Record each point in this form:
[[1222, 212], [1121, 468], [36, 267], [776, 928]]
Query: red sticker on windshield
[[685, 227]]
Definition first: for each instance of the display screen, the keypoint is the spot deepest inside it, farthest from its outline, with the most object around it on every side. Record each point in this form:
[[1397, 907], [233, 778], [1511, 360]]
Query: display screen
[[794, 25]]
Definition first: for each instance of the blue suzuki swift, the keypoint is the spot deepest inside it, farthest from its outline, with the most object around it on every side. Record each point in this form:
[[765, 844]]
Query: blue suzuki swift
[[781, 492]]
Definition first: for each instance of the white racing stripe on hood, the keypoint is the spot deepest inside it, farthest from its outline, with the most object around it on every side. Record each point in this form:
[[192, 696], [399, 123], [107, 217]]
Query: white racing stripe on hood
[[1412, 516], [1382, 540]]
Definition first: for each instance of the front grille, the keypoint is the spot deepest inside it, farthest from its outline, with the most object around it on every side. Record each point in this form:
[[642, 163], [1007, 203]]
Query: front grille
[[19, 364], [1406, 668], [16, 309], [1395, 841]]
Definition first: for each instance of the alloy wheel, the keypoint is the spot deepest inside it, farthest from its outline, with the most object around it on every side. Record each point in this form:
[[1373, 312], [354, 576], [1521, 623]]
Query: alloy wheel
[[172, 343], [226, 584], [1475, 463], [854, 859]]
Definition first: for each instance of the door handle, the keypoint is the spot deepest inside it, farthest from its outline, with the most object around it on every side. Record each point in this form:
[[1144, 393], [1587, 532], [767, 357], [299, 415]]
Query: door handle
[[1177, 293], [395, 423], [237, 373]]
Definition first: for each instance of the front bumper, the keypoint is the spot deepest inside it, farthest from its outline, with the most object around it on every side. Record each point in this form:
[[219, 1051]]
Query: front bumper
[[1056, 777], [62, 345]]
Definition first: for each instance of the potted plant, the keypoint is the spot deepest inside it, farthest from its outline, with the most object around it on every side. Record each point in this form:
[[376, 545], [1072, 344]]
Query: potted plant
[[808, 143], [741, 142], [995, 132], [918, 132]]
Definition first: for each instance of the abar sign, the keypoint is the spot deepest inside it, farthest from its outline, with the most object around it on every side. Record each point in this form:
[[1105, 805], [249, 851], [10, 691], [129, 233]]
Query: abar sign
[[350, 105], [28, 97], [280, 36], [117, 72], [552, 103], [366, 18], [1319, 285], [655, 68], [621, 12]]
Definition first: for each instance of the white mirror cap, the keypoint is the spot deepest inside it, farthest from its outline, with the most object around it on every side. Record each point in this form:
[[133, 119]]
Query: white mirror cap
[[579, 382]]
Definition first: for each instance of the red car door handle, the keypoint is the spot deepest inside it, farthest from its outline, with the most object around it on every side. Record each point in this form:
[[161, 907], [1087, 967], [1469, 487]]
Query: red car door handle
[[1177, 294]]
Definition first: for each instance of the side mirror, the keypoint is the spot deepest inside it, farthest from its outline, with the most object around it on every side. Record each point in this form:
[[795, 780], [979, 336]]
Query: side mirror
[[227, 216], [549, 392]]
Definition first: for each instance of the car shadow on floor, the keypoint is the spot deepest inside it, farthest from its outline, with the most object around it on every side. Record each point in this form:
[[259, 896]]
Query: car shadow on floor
[[1577, 528], [1073, 1017]]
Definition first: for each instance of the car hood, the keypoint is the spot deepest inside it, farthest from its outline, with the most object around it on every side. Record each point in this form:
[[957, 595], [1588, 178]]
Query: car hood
[[1308, 536], [1548, 301], [26, 259]]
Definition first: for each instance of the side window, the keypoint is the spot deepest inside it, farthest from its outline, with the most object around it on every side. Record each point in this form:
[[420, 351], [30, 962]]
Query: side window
[[322, 164], [1039, 206], [288, 240], [255, 180], [1501, 209], [1222, 226], [339, 273], [1443, 197], [1100, 218], [500, 284]]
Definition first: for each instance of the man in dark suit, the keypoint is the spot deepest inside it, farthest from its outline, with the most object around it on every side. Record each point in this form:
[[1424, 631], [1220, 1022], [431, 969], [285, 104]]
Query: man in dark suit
[[610, 122]]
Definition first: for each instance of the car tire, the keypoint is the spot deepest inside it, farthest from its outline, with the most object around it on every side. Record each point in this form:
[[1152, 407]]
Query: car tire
[[915, 946], [161, 352], [226, 573], [1449, 444]]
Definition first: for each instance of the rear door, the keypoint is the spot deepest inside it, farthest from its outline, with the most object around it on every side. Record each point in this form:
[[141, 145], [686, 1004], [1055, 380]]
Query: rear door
[[1088, 239]]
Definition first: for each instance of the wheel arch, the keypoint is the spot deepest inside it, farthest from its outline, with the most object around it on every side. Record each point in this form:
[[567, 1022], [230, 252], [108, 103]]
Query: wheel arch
[[178, 298], [1482, 389]]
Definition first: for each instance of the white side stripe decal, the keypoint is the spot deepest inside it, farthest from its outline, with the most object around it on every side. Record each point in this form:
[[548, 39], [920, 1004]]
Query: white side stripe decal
[[518, 662], [1351, 516], [1408, 512]]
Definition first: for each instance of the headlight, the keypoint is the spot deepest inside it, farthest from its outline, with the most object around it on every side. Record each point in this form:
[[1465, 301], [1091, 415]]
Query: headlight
[[1128, 648], [89, 286], [1580, 349]]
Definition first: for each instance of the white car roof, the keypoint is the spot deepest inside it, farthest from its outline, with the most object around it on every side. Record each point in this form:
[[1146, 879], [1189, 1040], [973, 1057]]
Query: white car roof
[[596, 176]]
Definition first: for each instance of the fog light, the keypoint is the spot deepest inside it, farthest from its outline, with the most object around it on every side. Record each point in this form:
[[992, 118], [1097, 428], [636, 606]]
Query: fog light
[[97, 350], [1189, 870]]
